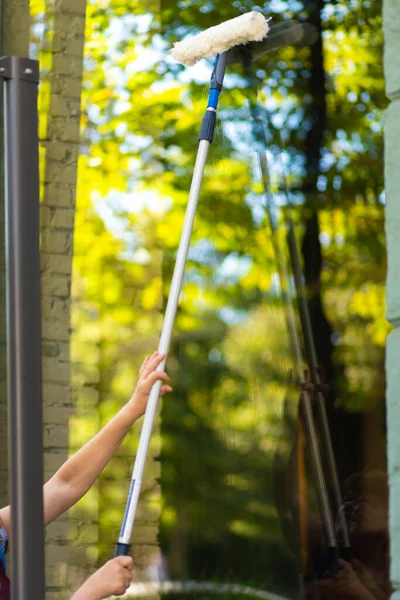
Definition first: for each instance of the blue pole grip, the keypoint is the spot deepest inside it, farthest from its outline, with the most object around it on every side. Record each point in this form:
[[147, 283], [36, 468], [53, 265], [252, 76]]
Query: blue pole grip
[[213, 98]]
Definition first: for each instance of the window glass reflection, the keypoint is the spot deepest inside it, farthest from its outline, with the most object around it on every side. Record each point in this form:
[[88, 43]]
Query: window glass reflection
[[244, 487]]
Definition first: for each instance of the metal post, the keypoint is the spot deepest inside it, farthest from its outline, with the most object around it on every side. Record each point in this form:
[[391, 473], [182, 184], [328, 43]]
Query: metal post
[[20, 82]]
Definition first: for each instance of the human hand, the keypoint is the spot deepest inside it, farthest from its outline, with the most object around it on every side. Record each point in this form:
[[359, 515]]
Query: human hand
[[113, 579], [344, 584], [148, 375], [363, 574]]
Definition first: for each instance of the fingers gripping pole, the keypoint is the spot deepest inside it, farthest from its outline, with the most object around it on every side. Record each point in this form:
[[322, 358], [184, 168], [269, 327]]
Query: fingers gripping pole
[[205, 139]]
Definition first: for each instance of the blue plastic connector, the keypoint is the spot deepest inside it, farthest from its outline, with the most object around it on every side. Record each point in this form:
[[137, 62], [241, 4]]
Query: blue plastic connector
[[209, 120], [213, 98]]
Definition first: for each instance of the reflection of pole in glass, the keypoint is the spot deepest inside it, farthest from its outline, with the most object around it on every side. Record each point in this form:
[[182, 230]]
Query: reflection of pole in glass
[[296, 34]]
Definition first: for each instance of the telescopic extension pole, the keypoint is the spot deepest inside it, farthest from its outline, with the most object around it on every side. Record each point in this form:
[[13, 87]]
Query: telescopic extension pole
[[205, 140]]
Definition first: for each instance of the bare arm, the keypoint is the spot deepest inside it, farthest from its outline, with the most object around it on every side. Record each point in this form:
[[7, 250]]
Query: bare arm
[[77, 475], [113, 578]]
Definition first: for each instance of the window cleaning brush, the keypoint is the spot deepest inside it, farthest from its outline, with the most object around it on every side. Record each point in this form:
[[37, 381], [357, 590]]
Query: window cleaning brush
[[250, 27]]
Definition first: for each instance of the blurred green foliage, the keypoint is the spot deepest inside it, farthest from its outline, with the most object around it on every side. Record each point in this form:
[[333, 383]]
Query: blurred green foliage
[[229, 360]]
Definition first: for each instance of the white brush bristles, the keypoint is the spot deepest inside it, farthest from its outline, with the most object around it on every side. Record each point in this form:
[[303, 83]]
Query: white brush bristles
[[250, 27]]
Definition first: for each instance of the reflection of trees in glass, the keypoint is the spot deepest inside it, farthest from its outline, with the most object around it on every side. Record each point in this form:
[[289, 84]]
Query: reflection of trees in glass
[[229, 360]]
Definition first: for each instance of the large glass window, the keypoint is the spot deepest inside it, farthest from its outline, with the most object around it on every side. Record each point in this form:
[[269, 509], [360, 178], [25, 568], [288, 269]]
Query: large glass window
[[271, 449]]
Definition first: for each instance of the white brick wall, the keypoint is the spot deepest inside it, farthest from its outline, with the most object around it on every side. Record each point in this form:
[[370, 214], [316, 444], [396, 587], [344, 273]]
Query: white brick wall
[[16, 20], [57, 225]]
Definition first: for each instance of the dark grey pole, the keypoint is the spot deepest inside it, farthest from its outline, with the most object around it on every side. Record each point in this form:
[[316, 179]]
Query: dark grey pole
[[21, 77]]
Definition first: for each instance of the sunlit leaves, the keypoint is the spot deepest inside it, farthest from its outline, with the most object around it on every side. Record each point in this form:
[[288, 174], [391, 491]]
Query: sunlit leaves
[[230, 354]]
